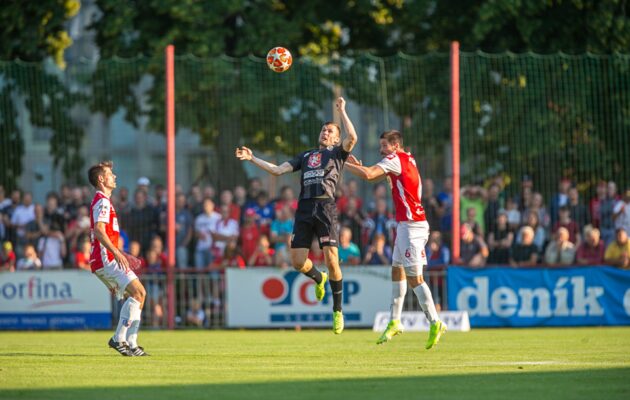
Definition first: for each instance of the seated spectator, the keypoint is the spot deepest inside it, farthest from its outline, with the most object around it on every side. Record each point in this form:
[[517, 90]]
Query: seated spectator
[[353, 218], [287, 198], [538, 206], [195, 316], [153, 262], [158, 247], [281, 233], [52, 247], [316, 255], [524, 253], [562, 250], [30, 261], [437, 252], [82, 255], [379, 253], [7, 257], [231, 256], [471, 219], [513, 214], [591, 250], [540, 236], [205, 225], [500, 241], [78, 229], [263, 255], [473, 250], [565, 221], [250, 232], [136, 250], [349, 253], [618, 252]]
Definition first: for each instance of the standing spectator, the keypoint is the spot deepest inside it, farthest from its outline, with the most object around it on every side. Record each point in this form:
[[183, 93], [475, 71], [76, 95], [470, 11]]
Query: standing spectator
[[538, 206], [493, 205], [287, 198], [559, 199], [123, 204], [471, 219], [225, 230], [561, 250], [513, 214], [183, 230], [540, 235], [606, 212], [437, 252], [22, 215], [52, 247], [352, 218], [4, 201], [349, 253], [195, 200], [381, 222], [205, 225], [7, 258], [474, 197], [445, 198], [227, 198], [474, 250], [264, 210], [524, 253], [30, 261], [249, 234], [240, 197], [78, 229], [591, 250], [379, 192], [596, 203], [379, 253], [281, 232], [10, 233], [143, 184], [621, 212], [565, 221], [500, 241], [82, 255], [142, 223], [579, 212], [352, 190], [263, 255], [618, 252], [430, 202], [254, 187]]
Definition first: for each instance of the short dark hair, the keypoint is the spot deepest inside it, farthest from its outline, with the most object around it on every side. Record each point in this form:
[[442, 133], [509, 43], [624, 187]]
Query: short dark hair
[[393, 136], [336, 125], [97, 170]]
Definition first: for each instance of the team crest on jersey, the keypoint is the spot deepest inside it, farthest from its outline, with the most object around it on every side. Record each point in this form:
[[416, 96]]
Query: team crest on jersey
[[315, 160]]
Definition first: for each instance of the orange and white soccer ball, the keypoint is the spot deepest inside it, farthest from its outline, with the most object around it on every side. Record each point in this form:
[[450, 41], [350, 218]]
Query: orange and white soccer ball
[[279, 59]]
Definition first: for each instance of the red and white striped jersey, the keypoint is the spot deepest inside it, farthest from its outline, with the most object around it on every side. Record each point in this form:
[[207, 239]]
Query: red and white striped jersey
[[102, 210], [404, 178]]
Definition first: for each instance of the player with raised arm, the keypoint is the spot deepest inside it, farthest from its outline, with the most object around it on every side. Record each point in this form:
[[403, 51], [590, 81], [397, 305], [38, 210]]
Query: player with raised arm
[[412, 232], [111, 265], [317, 211]]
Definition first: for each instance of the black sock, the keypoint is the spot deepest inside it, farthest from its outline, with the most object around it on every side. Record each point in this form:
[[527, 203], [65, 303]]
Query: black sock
[[337, 293], [314, 274]]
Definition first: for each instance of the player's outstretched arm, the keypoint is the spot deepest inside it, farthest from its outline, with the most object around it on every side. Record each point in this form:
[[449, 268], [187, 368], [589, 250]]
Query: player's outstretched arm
[[356, 168], [245, 154], [351, 135]]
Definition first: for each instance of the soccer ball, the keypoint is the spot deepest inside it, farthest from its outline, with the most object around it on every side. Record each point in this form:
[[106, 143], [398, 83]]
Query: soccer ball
[[279, 59]]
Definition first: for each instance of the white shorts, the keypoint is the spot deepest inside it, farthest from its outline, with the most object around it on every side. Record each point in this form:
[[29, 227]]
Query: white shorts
[[411, 239], [116, 278]]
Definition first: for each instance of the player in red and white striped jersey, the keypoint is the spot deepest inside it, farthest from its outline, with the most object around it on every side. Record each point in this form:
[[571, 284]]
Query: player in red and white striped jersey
[[111, 265], [412, 232]]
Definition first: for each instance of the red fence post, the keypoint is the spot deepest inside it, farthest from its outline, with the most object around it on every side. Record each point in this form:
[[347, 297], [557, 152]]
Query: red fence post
[[455, 148], [170, 182]]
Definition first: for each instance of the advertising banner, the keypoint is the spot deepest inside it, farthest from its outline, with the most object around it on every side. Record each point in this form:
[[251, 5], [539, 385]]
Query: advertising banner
[[541, 296]]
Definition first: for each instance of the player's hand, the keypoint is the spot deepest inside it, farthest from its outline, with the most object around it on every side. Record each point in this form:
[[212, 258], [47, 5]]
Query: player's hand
[[244, 154], [122, 260], [353, 160], [341, 104]]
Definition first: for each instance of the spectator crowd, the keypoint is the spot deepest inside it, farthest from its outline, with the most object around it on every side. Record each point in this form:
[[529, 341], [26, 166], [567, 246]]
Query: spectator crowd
[[246, 227]]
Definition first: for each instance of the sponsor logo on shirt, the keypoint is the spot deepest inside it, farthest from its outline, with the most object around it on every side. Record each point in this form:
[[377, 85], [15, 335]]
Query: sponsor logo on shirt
[[314, 174]]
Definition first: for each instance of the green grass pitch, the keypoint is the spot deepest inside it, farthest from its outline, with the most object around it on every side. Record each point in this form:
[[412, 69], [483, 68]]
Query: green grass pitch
[[535, 364]]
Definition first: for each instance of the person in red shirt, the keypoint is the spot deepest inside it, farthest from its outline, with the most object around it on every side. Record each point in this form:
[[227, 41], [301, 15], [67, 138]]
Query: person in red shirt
[[591, 250], [7, 257], [231, 256], [250, 232], [111, 265], [412, 232], [263, 255], [82, 255]]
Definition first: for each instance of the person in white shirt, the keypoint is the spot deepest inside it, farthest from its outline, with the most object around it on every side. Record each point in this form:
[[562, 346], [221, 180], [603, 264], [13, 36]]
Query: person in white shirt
[[621, 213], [225, 230], [205, 224]]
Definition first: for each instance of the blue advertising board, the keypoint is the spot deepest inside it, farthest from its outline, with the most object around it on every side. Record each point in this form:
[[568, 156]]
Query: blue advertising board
[[503, 296]]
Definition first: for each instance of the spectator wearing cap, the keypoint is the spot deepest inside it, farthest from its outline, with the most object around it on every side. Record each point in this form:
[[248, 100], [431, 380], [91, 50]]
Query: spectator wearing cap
[[249, 233], [591, 250], [621, 212], [618, 252], [561, 250], [7, 257], [143, 183], [473, 249], [205, 225], [559, 199]]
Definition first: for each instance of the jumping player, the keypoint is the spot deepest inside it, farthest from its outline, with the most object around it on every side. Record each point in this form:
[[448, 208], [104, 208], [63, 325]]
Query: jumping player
[[110, 265], [412, 232], [317, 212]]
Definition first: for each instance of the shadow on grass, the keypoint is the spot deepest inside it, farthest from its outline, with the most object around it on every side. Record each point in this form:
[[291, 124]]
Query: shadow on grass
[[613, 383]]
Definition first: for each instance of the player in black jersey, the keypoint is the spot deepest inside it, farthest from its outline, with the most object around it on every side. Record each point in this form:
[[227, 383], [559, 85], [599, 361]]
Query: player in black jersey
[[317, 210]]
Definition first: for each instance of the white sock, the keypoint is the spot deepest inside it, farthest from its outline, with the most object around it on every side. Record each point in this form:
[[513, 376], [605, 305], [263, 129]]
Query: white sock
[[399, 290], [124, 321], [426, 302], [135, 315]]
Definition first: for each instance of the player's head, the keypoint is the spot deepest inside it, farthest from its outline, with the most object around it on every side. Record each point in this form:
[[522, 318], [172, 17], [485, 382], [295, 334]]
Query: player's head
[[101, 175], [330, 135], [391, 142]]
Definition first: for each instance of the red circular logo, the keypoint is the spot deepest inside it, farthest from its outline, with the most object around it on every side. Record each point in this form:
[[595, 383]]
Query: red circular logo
[[273, 288]]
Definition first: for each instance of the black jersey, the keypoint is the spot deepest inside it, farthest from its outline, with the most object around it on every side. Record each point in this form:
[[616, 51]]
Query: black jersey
[[321, 169]]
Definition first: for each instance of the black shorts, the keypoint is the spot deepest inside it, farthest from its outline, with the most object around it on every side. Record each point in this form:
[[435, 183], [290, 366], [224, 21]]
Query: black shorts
[[315, 217]]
